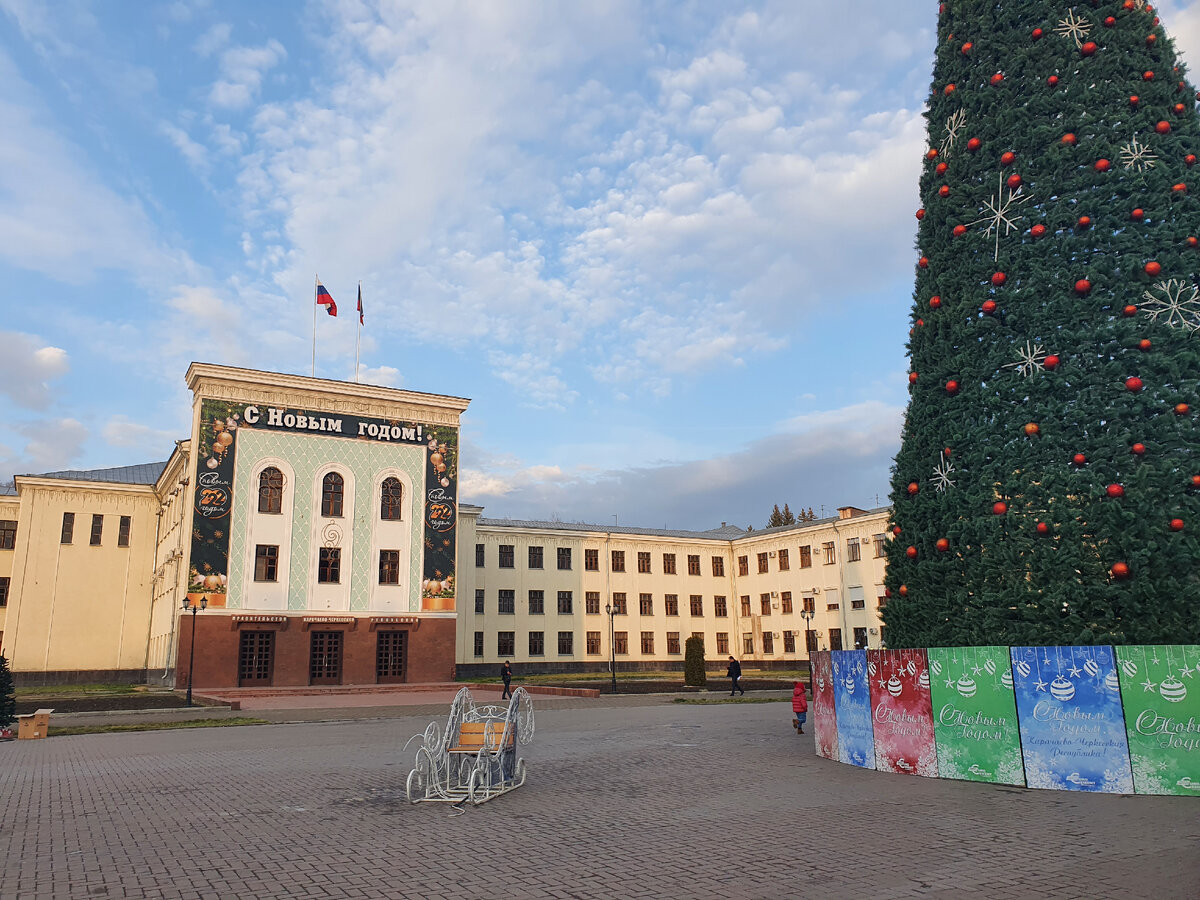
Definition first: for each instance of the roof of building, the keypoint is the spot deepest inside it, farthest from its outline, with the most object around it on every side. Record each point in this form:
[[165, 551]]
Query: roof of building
[[825, 521], [724, 533], [146, 473], [8, 490]]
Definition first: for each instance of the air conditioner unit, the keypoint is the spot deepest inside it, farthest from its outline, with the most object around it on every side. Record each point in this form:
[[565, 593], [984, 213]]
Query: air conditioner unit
[[774, 593], [775, 634], [816, 590], [874, 630], [772, 554]]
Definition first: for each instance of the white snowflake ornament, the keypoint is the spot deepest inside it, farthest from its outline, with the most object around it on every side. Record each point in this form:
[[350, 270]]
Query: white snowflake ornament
[[1175, 303], [1030, 359], [941, 474], [1137, 156], [1000, 213], [1074, 28]]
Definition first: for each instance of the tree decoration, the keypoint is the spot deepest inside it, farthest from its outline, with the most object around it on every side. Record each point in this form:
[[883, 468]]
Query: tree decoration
[[1175, 303], [1073, 27], [1030, 359], [954, 124], [941, 474]]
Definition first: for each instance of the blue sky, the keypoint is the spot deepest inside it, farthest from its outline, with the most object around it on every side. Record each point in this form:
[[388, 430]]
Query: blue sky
[[666, 248]]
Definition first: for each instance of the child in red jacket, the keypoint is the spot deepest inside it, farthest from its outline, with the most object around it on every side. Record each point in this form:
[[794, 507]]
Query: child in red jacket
[[799, 707]]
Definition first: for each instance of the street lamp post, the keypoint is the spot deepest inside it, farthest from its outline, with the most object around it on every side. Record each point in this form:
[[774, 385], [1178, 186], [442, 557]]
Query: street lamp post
[[807, 615], [612, 646], [194, 608]]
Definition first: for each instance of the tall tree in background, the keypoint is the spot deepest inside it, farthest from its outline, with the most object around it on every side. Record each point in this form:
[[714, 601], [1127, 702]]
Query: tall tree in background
[[789, 518], [1047, 489], [776, 517]]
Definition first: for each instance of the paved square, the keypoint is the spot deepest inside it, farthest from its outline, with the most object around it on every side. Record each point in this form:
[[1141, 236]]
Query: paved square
[[634, 797]]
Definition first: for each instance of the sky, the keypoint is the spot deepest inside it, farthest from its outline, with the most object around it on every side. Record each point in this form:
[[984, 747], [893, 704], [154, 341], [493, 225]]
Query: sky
[[666, 248]]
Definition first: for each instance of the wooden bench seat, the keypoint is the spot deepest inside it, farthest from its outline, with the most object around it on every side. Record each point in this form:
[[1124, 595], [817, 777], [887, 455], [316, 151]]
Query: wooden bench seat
[[475, 736]]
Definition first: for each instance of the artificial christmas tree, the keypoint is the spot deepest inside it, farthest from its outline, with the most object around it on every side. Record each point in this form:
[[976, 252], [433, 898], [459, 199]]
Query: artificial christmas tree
[[1047, 489]]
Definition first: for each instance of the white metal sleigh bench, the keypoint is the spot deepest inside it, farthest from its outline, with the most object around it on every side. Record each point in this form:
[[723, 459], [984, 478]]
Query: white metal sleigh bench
[[475, 758]]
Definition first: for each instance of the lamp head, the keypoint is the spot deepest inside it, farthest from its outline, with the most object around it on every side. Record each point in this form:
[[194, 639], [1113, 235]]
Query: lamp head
[[204, 603], [608, 609]]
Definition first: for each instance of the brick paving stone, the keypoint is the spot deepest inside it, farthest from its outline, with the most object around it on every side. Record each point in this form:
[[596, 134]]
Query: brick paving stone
[[627, 797]]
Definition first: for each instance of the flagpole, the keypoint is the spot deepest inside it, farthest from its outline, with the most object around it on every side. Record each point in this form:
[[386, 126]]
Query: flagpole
[[316, 281], [358, 339]]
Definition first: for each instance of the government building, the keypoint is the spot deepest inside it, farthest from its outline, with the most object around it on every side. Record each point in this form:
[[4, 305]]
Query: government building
[[310, 532]]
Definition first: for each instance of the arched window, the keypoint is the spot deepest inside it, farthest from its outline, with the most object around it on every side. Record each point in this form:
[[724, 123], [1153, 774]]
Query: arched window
[[270, 491], [331, 495], [390, 496]]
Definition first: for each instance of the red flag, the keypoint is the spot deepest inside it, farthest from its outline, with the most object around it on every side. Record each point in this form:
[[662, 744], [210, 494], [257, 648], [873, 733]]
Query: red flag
[[325, 299], [360, 313]]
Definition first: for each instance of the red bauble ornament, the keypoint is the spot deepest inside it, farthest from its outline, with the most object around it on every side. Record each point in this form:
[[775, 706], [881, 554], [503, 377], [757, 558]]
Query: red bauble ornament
[[998, 278], [951, 387], [1037, 34], [1120, 570], [1115, 491], [1082, 286], [923, 262], [1052, 80], [1133, 383], [887, 592], [931, 153], [949, 89], [896, 530], [988, 307], [1163, 127], [944, 190], [913, 487], [1128, 4], [920, 323], [941, 168], [1134, 99], [1192, 241], [912, 377], [935, 301], [1038, 230], [911, 552], [1007, 158], [1196, 481], [920, 214], [946, 450], [1179, 108], [1153, 269], [1069, 139], [904, 590], [1051, 362], [1180, 188], [966, 48], [1129, 310], [1014, 181], [1138, 449], [1079, 459], [1181, 409], [1147, 76], [959, 230], [1151, 40], [1103, 165], [1089, 48], [1190, 160], [1084, 222], [1138, 214], [943, 545], [996, 79], [974, 144], [1177, 524], [1043, 528], [1032, 429], [1110, 22], [999, 508], [1144, 344]]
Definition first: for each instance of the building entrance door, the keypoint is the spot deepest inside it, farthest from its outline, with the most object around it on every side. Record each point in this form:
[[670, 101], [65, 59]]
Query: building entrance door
[[325, 657], [390, 653], [256, 658]]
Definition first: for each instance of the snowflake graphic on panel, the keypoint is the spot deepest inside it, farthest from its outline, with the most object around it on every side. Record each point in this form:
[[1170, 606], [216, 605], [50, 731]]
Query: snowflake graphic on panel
[[1029, 359], [1000, 213], [954, 124], [1170, 302], [1136, 155], [1074, 27], [941, 475]]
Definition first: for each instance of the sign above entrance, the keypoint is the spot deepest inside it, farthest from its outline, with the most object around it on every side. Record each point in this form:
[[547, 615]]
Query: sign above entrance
[[343, 425]]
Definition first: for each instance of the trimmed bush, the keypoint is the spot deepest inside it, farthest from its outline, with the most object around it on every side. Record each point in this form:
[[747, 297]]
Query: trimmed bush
[[693, 663]]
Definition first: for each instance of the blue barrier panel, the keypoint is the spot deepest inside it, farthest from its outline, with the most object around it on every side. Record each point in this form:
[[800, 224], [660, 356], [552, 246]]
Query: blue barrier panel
[[852, 701]]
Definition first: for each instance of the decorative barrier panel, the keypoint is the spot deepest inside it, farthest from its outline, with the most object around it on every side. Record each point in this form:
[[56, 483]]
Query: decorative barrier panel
[[900, 712], [1161, 695], [975, 715], [823, 716], [852, 701]]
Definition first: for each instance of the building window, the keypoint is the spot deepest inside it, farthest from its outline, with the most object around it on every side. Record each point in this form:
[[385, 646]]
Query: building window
[[266, 562], [507, 556], [564, 559], [535, 557], [479, 643], [621, 643], [68, 529], [806, 557], [722, 643], [853, 550], [810, 603], [592, 603], [762, 563], [593, 642], [97, 530], [391, 493], [479, 556], [811, 641], [829, 549], [668, 563], [618, 604], [673, 642], [329, 569], [747, 644], [786, 599], [858, 603], [860, 639], [537, 603], [832, 607], [506, 642], [718, 564], [880, 542], [270, 491], [697, 604], [693, 564], [566, 643], [835, 639], [4, 591], [332, 488], [566, 603], [648, 643], [646, 604], [8, 534], [768, 642], [479, 601], [123, 529], [745, 601], [743, 565], [672, 604], [720, 610], [789, 642], [784, 564], [765, 601], [881, 601], [537, 643], [508, 602], [591, 560], [643, 563], [389, 566], [618, 560]]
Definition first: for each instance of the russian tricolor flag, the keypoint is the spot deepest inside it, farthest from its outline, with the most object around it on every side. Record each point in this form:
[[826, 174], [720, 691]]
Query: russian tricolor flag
[[325, 299]]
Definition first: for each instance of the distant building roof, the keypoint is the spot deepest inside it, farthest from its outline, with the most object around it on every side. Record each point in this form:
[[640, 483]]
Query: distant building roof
[[8, 490], [146, 473], [724, 533]]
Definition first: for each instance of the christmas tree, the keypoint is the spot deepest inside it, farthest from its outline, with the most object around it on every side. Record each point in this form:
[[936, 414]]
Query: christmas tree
[[1047, 489], [8, 697]]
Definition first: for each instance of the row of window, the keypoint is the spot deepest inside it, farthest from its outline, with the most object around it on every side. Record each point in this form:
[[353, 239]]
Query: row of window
[[8, 534], [329, 565], [3, 592], [507, 603], [506, 642], [333, 490], [123, 530]]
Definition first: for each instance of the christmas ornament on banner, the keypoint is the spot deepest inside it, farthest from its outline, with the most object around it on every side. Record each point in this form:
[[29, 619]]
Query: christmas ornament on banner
[[852, 705], [901, 713], [823, 713], [1162, 717]]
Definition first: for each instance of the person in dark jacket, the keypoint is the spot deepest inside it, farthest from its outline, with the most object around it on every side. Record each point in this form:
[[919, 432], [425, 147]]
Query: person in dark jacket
[[506, 674], [735, 673]]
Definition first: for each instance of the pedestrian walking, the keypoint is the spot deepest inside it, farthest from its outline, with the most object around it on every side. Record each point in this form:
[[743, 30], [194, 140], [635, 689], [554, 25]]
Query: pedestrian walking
[[799, 706], [734, 674], [506, 674]]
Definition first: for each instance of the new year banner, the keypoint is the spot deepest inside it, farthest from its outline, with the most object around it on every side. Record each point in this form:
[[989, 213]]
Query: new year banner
[[823, 717], [975, 714], [900, 712], [1071, 720], [1161, 696], [852, 701]]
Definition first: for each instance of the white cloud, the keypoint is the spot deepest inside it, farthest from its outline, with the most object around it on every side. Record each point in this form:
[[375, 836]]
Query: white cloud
[[27, 366], [194, 153], [51, 445], [213, 39], [121, 431], [242, 70], [535, 380], [383, 375]]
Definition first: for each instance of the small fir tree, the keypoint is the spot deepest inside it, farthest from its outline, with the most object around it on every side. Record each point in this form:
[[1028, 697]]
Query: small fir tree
[[8, 695], [776, 517], [1047, 488], [789, 518], [693, 662]]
